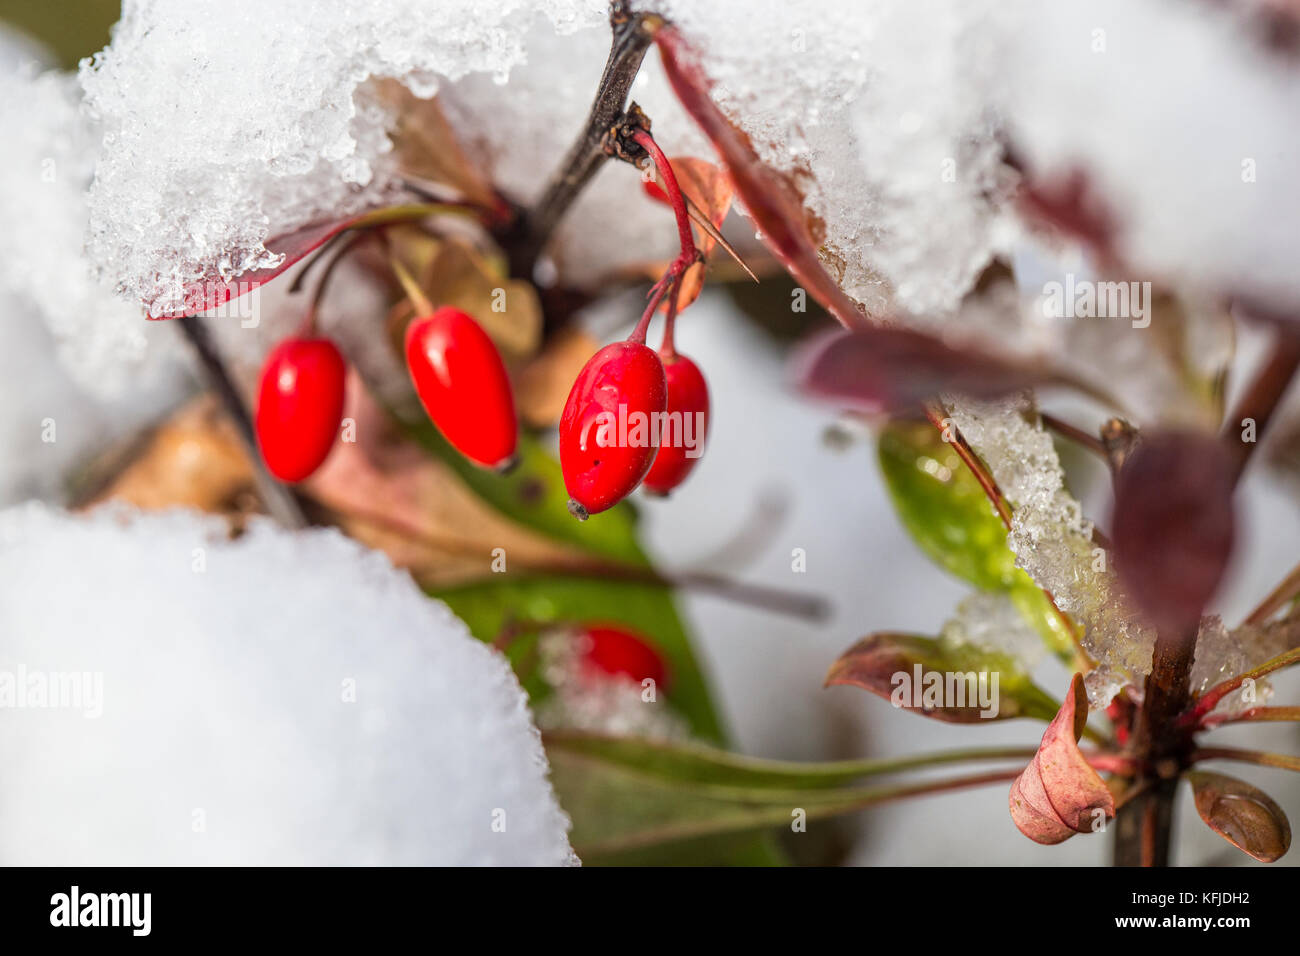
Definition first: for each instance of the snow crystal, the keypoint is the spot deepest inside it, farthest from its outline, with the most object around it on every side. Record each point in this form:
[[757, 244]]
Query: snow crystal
[[227, 121], [992, 622], [1222, 653], [331, 715], [1053, 541], [586, 700], [45, 169], [892, 117]]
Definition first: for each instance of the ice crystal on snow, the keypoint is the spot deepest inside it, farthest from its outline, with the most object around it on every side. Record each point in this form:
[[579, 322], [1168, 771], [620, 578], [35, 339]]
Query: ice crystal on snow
[[1053, 541], [892, 117], [992, 622], [333, 714]]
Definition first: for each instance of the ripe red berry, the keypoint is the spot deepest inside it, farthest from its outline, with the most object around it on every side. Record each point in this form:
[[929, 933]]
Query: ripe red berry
[[609, 429], [615, 651], [300, 406], [462, 383], [687, 419]]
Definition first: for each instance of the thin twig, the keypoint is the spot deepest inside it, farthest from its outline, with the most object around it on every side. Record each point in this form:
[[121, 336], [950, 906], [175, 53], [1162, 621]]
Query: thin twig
[[631, 38], [279, 500], [1259, 757], [773, 599], [1261, 399], [1075, 434], [1286, 591]]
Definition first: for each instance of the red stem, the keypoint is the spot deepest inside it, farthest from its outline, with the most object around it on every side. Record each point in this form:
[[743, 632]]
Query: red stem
[[647, 142], [1210, 699]]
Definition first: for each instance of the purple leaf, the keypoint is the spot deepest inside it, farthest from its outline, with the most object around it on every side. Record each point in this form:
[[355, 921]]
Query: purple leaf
[[887, 369], [1173, 526]]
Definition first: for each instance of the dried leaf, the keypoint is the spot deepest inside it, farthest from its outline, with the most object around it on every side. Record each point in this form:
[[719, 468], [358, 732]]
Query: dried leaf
[[771, 198], [427, 147], [1173, 526], [1243, 815], [913, 673], [542, 385], [193, 460], [1059, 794]]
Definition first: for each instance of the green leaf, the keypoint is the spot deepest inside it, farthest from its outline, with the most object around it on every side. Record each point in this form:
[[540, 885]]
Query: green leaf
[[634, 801], [947, 513], [875, 663]]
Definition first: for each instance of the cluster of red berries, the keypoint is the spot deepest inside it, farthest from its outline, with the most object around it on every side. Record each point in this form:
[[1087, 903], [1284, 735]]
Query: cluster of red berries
[[462, 383]]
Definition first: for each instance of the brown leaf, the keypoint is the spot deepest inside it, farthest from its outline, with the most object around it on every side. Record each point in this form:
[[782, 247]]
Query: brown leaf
[[542, 385], [900, 667], [1243, 815], [1058, 794], [194, 460], [770, 198], [427, 147], [1173, 526]]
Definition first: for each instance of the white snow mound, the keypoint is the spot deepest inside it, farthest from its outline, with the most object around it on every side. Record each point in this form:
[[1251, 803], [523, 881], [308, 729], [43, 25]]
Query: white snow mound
[[284, 698]]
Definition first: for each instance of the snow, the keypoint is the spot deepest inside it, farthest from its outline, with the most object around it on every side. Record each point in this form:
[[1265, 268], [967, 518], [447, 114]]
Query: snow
[[286, 133], [46, 166], [993, 623], [331, 715], [1053, 541]]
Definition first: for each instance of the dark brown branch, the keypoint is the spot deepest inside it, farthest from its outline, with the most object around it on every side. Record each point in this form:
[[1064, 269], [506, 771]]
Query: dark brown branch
[[279, 500], [632, 34], [1161, 749], [1262, 398]]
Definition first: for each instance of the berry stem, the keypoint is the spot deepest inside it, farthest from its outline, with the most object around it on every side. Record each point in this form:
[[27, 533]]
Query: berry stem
[[674, 190], [308, 327], [412, 289], [668, 349]]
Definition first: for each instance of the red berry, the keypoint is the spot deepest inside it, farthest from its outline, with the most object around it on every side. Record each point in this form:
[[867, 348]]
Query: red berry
[[609, 430], [616, 651], [300, 406], [687, 418], [462, 383]]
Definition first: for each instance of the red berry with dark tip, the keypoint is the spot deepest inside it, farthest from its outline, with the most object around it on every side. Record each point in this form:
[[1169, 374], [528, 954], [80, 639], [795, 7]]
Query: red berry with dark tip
[[300, 406], [686, 425], [617, 652], [462, 383], [609, 429]]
